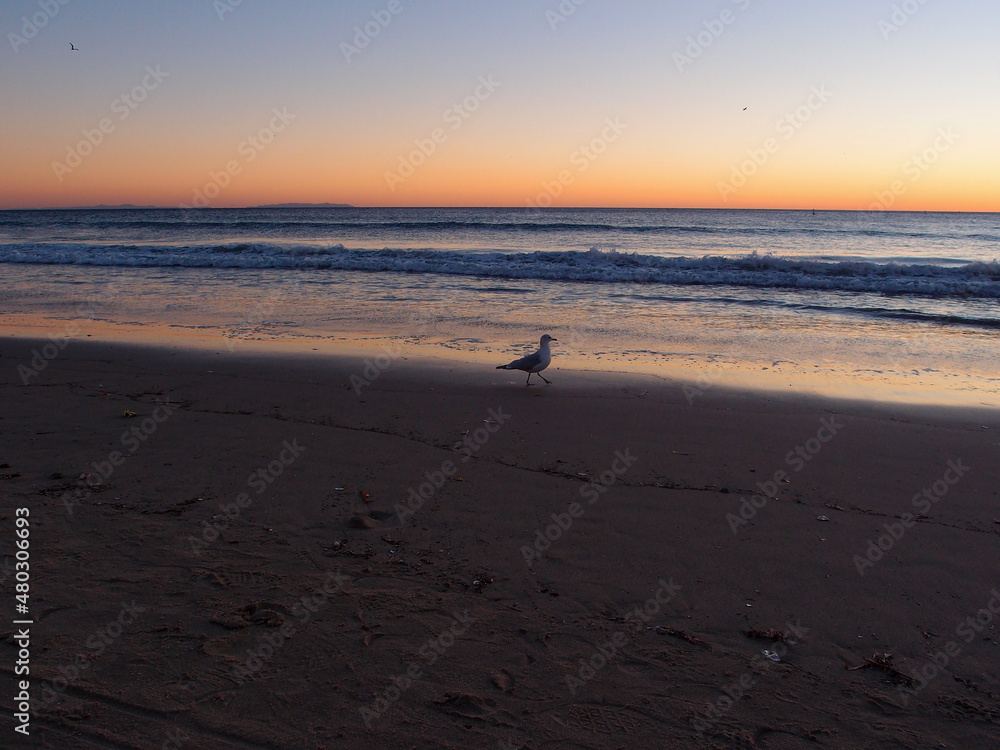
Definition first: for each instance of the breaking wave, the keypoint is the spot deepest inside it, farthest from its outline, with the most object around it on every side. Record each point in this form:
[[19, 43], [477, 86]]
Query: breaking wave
[[969, 280]]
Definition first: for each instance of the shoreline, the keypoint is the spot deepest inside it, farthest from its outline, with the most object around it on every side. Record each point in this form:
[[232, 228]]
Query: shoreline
[[741, 340], [695, 376]]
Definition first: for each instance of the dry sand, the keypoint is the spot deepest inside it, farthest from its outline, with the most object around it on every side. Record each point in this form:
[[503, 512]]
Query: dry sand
[[167, 596]]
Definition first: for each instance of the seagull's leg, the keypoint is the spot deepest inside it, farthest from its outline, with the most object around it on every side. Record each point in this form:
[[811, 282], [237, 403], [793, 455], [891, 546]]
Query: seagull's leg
[[543, 378], [528, 381]]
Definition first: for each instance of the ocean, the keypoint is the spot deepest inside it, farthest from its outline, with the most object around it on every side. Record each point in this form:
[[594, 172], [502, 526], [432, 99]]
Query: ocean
[[899, 305]]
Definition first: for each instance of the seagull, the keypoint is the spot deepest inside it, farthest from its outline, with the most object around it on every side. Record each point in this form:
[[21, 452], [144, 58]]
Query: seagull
[[72, 48], [533, 363]]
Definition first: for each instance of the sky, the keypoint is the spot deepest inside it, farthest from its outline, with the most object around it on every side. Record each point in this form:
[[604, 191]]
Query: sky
[[853, 104]]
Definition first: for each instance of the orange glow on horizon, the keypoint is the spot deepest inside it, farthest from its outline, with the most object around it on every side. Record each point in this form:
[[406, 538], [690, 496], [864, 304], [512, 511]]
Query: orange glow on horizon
[[297, 174]]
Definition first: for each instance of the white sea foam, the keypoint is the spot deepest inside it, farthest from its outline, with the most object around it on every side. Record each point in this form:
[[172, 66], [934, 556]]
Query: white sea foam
[[968, 280]]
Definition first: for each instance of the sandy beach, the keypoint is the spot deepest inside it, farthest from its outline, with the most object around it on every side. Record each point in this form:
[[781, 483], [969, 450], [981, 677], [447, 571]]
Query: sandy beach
[[302, 551]]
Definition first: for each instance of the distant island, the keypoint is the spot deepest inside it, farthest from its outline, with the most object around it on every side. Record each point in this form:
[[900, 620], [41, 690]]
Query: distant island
[[104, 207], [130, 206], [306, 205]]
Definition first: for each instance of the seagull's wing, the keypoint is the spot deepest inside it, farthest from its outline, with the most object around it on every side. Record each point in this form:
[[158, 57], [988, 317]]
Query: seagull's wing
[[526, 363]]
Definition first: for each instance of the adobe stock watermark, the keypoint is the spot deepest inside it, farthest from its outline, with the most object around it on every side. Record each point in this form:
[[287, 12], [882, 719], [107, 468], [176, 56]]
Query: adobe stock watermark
[[365, 33], [734, 692], [591, 492], [606, 652], [796, 459], [915, 168], [374, 367], [249, 148], [787, 127], [261, 311], [455, 117], [97, 643], [268, 646], [562, 12], [222, 7], [587, 327], [471, 444], [429, 653], [923, 501], [259, 481], [131, 439], [581, 159], [40, 358], [900, 16], [965, 633], [174, 739], [123, 106], [704, 382], [47, 10], [714, 28], [416, 324]]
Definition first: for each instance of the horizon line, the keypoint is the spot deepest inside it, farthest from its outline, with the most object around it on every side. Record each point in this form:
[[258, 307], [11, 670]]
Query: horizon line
[[347, 206]]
